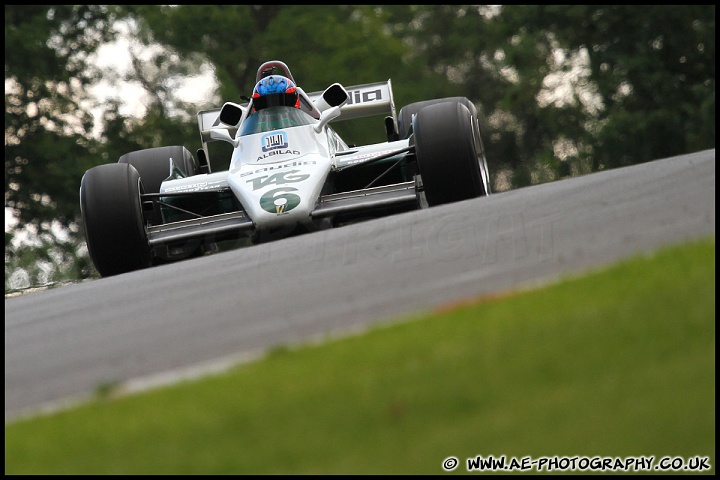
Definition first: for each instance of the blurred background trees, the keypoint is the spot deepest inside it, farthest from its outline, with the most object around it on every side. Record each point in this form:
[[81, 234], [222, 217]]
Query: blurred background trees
[[562, 90]]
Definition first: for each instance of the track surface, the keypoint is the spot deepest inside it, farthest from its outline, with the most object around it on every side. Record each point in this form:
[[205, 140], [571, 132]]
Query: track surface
[[64, 343]]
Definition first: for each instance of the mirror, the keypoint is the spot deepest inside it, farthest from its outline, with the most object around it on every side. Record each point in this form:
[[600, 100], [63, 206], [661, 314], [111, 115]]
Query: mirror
[[333, 96], [231, 113]]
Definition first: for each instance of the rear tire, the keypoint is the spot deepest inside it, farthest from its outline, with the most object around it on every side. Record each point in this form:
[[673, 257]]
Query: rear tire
[[153, 164], [112, 216], [446, 147]]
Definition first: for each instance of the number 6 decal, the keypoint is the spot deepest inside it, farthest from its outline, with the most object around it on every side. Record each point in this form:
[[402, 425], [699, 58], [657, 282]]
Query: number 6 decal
[[280, 200]]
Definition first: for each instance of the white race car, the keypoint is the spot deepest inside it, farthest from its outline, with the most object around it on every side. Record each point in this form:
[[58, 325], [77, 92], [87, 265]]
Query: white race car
[[290, 172]]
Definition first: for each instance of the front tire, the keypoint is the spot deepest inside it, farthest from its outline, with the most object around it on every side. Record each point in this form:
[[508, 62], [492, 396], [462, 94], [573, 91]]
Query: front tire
[[446, 147], [407, 112], [112, 216]]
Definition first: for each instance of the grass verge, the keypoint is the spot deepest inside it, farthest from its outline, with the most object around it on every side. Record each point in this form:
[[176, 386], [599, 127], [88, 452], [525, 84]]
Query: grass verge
[[617, 363]]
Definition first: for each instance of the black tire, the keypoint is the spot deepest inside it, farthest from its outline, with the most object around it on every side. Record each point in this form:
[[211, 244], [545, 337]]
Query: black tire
[[406, 113], [153, 164], [112, 216], [446, 147]]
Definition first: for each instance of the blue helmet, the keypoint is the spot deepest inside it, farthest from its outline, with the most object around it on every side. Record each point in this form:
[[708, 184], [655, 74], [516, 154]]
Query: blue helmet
[[274, 91]]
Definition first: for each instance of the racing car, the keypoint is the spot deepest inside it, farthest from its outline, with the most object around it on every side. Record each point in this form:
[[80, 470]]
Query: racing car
[[289, 173]]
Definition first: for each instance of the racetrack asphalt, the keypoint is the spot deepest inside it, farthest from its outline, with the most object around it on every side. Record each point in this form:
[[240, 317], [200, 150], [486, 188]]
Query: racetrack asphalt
[[146, 327]]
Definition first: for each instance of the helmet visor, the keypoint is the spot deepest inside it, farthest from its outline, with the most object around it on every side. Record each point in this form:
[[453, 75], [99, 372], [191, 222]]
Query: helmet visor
[[275, 100]]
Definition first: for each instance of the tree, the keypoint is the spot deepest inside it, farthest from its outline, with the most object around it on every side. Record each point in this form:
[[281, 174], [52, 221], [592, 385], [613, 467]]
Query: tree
[[349, 44], [47, 141], [47, 145], [654, 67], [639, 81]]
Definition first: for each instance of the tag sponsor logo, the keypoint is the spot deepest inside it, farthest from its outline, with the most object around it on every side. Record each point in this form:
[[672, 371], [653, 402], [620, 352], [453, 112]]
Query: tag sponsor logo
[[278, 179]]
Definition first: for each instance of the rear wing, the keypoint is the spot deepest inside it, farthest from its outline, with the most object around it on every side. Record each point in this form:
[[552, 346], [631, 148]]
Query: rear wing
[[365, 100]]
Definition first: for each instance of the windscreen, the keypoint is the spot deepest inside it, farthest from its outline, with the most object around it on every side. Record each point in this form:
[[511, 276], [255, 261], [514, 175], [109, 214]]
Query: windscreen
[[274, 118]]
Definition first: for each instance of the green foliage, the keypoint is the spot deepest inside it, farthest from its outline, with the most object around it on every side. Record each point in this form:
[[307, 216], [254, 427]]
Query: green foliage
[[47, 142], [652, 68], [47, 147], [237, 39]]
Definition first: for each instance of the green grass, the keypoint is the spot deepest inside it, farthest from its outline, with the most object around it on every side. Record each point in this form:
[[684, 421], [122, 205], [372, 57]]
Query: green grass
[[617, 363]]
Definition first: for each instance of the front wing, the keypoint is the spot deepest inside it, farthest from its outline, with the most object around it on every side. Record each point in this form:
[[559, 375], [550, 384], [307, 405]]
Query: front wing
[[375, 199]]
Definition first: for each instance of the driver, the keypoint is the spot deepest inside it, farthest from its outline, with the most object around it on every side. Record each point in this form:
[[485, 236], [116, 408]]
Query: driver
[[275, 91], [269, 95]]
